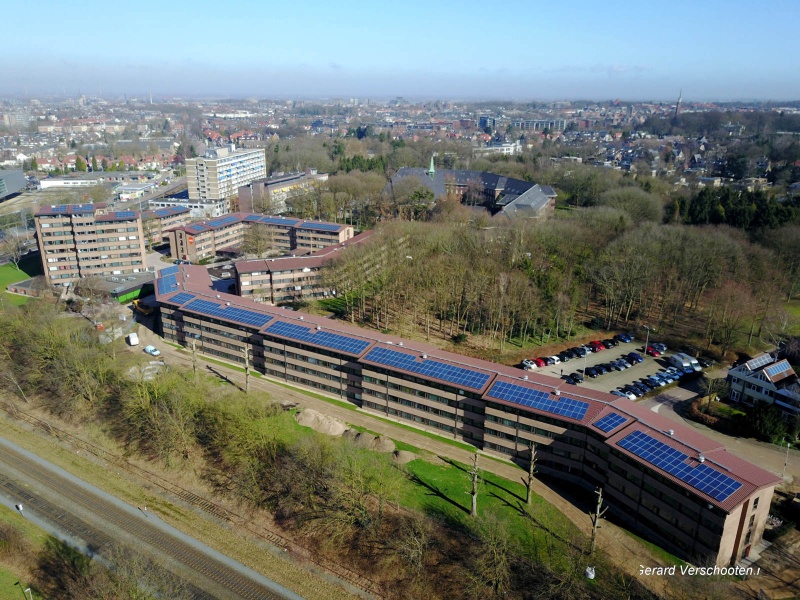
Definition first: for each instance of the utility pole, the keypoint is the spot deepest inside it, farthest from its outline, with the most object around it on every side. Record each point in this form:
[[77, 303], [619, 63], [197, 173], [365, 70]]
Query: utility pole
[[596, 516], [786, 460], [247, 369], [194, 357], [474, 473], [531, 472]]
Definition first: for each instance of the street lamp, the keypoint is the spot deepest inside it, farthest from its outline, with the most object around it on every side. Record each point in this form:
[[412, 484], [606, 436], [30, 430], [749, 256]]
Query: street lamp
[[26, 592], [786, 460], [647, 341]]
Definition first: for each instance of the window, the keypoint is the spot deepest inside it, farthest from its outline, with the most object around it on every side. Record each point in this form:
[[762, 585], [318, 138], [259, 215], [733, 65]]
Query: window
[[755, 503]]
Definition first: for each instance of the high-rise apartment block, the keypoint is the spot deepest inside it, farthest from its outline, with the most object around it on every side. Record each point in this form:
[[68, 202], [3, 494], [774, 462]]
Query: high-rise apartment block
[[86, 240], [216, 176]]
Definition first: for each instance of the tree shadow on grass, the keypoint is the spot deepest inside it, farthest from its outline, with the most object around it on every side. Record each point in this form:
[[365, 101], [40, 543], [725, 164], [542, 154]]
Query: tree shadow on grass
[[523, 511], [486, 481], [435, 491]]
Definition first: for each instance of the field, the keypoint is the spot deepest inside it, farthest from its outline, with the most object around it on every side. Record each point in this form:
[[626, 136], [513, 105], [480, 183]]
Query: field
[[29, 266]]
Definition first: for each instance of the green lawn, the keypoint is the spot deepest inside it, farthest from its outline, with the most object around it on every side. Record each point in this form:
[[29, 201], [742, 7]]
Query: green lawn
[[793, 308], [30, 266]]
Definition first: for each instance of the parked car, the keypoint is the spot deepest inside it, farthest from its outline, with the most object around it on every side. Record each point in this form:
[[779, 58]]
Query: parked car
[[570, 380], [626, 393], [528, 364], [651, 351], [548, 360], [564, 356], [577, 377], [610, 343], [591, 372], [670, 377], [647, 385], [556, 360], [705, 362], [625, 338], [660, 347], [643, 389], [572, 352], [633, 390], [540, 362], [601, 369], [580, 351], [634, 358], [675, 373], [618, 393], [596, 346], [152, 350]]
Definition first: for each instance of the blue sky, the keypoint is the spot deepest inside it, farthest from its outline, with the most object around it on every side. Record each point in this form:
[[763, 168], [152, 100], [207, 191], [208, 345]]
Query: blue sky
[[525, 50]]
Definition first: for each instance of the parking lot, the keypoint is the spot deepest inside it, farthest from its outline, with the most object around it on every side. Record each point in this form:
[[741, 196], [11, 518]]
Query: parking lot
[[612, 379]]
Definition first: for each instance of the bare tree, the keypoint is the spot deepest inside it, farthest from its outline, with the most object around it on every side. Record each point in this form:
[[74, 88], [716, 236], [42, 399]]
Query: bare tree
[[259, 239]]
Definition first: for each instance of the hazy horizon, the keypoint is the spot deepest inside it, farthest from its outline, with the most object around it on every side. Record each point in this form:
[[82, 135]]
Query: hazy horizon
[[715, 51]]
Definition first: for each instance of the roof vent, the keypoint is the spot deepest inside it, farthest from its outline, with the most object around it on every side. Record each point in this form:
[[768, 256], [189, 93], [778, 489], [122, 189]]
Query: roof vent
[[301, 318], [525, 377], [399, 343], [318, 327], [556, 393], [671, 432], [227, 304], [390, 343], [424, 356], [701, 458], [218, 296]]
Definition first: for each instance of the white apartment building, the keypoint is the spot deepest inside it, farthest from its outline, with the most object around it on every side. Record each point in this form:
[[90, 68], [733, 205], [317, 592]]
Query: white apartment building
[[218, 175]]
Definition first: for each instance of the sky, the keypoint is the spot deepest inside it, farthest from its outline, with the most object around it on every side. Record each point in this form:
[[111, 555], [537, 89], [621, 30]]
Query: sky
[[468, 50]]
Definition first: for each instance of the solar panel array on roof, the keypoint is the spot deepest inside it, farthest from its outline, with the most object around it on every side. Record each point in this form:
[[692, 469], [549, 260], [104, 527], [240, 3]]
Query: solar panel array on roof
[[701, 477], [169, 271], [610, 422], [125, 214], [271, 220], [429, 367], [226, 220], [83, 208], [318, 338], [321, 226], [181, 298], [167, 284], [777, 368], [240, 315], [196, 228], [759, 361], [525, 396], [61, 209]]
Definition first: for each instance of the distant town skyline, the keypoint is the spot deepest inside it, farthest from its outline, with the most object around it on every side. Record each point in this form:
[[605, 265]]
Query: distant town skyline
[[713, 50]]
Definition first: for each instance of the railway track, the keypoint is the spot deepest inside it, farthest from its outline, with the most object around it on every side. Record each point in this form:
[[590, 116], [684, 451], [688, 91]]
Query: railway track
[[107, 516], [356, 580]]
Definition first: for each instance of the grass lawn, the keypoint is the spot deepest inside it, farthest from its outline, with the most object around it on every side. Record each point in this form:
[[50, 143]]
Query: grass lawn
[[443, 491], [30, 266], [793, 308]]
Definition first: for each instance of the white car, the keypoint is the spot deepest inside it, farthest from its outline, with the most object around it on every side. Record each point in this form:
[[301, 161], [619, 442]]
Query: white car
[[528, 364], [152, 351], [555, 359]]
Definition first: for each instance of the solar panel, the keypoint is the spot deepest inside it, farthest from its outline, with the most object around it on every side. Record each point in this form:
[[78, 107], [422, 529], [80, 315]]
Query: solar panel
[[167, 284], [759, 361], [125, 214], [318, 338], [169, 271], [227, 220], [707, 480], [181, 298], [60, 209], [777, 368], [429, 367], [610, 422], [278, 221], [321, 226], [525, 396], [232, 313]]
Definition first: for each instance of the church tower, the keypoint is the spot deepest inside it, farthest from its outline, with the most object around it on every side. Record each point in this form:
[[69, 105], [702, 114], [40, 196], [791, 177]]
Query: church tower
[[678, 105]]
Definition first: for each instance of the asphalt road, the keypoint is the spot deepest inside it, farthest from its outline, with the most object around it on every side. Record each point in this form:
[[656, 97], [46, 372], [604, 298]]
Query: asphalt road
[[87, 517]]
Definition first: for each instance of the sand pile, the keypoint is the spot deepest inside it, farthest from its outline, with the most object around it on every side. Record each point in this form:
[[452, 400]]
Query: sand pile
[[322, 423], [402, 457], [370, 442]]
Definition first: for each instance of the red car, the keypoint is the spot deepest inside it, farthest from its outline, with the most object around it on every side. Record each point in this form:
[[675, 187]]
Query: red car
[[650, 351], [596, 346], [540, 362]]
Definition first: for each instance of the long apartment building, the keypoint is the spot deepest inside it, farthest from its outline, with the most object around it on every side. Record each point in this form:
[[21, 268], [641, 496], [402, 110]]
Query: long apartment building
[[155, 223], [680, 489], [87, 240], [218, 174], [290, 278], [281, 234]]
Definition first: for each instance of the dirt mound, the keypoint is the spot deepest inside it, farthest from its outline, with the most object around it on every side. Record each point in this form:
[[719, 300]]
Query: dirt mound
[[402, 457], [321, 423], [377, 443]]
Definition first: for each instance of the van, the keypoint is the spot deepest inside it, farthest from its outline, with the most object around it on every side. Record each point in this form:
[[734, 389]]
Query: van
[[681, 362], [693, 363], [133, 339]]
